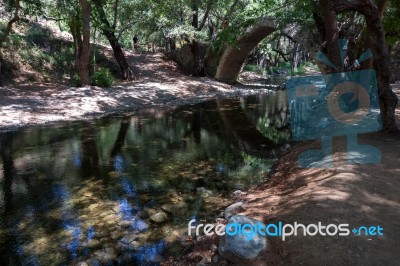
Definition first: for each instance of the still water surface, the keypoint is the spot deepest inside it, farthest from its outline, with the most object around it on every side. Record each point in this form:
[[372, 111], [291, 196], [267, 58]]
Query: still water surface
[[120, 190]]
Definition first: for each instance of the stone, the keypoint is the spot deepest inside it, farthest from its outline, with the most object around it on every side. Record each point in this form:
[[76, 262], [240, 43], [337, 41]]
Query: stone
[[125, 224], [149, 211], [204, 193], [178, 208], [106, 255], [129, 238], [159, 217], [238, 193], [238, 248], [233, 209], [203, 262], [82, 264], [215, 259], [93, 243], [93, 206], [93, 262], [116, 235]]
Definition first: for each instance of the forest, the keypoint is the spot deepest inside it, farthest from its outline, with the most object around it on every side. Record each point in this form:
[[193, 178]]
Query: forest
[[122, 121]]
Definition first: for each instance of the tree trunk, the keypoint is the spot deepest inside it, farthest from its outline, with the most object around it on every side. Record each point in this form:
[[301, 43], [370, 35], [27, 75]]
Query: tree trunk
[[15, 18], [296, 56], [388, 99], [331, 34], [119, 55], [6, 32], [82, 62], [195, 45]]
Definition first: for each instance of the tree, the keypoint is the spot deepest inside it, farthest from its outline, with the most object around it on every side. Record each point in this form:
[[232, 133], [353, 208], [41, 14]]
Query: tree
[[4, 33], [372, 14], [82, 61], [108, 31]]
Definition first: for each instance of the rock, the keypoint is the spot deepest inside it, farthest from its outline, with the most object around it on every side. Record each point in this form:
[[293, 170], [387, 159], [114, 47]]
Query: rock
[[125, 224], [106, 255], [167, 207], [93, 262], [149, 211], [129, 238], [93, 206], [93, 243], [238, 193], [203, 262], [233, 209], [215, 259], [204, 193], [82, 264], [179, 208], [159, 217], [116, 235], [238, 248]]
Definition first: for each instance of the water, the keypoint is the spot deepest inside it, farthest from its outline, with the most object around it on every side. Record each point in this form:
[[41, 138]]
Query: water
[[85, 191]]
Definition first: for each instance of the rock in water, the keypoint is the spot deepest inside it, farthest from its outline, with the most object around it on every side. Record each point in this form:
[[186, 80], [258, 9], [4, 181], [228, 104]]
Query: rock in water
[[204, 193], [239, 248], [233, 209], [159, 217]]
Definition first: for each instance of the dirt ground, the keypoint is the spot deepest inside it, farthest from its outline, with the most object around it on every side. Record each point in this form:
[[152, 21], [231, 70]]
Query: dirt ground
[[159, 82], [358, 195]]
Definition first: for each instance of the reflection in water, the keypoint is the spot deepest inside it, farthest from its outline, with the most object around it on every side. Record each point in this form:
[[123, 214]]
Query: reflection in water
[[121, 190]]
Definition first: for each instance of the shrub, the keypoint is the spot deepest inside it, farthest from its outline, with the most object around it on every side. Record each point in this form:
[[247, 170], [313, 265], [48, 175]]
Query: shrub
[[75, 80], [102, 78]]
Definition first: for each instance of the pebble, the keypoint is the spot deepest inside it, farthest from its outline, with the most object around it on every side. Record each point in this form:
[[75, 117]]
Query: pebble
[[159, 217], [93, 243], [93, 262]]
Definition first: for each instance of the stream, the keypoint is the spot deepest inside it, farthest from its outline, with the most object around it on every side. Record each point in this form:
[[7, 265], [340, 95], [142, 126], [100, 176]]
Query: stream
[[121, 189]]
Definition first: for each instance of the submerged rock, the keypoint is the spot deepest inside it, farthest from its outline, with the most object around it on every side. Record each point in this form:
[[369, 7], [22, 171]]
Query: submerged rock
[[204, 193], [179, 208], [240, 248], [159, 217]]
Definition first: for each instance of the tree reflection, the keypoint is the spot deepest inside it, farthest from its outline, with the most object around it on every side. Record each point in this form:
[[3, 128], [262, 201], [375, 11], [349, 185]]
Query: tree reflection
[[90, 157]]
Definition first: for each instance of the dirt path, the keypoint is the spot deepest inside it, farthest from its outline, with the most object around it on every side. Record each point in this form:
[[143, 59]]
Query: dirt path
[[354, 194], [160, 83]]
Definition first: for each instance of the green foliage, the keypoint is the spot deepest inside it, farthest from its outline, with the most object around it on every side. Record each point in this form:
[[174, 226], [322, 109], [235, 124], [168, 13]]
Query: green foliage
[[391, 22], [251, 68], [75, 80], [102, 78]]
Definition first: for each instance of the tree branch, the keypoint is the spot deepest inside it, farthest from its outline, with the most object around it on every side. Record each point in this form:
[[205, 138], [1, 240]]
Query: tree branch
[[114, 25], [343, 5], [382, 4], [203, 21]]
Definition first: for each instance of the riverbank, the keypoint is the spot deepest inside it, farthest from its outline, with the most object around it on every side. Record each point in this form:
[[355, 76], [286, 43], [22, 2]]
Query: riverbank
[[354, 194], [159, 84]]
